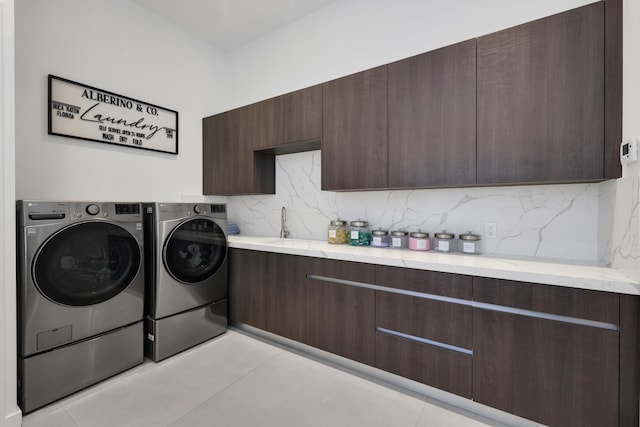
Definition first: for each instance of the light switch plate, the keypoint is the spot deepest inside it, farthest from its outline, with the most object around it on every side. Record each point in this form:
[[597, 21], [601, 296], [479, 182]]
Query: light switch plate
[[629, 151]]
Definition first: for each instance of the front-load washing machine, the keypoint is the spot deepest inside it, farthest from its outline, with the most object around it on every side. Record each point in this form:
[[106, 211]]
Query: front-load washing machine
[[186, 270], [80, 295]]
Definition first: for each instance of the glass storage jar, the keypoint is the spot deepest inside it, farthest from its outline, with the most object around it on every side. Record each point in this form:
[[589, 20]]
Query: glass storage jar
[[469, 243], [380, 238], [419, 241], [338, 232], [443, 242], [359, 233], [399, 239]]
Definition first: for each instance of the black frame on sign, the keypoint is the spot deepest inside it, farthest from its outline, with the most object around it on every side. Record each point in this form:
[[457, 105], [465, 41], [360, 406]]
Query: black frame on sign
[[85, 112]]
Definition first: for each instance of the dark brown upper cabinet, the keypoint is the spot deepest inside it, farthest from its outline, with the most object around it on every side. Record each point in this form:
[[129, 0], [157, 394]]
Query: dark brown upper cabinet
[[230, 165], [267, 123], [432, 118], [354, 131], [540, 100], [303, 115]]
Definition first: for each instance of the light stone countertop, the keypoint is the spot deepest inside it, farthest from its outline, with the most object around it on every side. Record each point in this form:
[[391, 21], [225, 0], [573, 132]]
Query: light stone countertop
[[568, 274]]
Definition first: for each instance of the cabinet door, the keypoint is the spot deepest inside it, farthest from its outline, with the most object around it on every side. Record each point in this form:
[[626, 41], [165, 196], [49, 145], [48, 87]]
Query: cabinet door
[[340, 318], [432, 118], [230, 166], [247, 289], [354, 145], [267, 291], [228, 153], [541, 100], [267, 122], [303, 115], [285, 299], [550, 371], [215, 154]]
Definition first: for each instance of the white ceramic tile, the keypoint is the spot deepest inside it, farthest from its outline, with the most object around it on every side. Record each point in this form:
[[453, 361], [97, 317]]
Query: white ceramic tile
[[293, 391], [436, 416], [546, 221], [172, 388], [240, 381], [48, 417]]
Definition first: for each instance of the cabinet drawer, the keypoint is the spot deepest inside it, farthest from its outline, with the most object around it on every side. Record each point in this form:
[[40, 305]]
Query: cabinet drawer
[[439, 321], [579, 303], [437, 367], [430, 282]]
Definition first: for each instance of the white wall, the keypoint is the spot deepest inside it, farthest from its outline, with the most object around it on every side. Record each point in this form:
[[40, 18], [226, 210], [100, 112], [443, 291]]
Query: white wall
[[120, 47], [9, 411], [353, 35]]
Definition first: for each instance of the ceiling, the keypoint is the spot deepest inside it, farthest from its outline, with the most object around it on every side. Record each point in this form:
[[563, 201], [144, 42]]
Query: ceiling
[[229, 24]]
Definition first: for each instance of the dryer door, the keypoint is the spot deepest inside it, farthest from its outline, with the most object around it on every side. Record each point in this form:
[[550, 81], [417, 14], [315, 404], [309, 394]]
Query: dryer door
[[86, 263], [195, 250]]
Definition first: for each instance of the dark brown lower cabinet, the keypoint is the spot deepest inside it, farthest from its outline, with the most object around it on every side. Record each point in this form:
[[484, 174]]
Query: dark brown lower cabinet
[[489, 340], [340, 317], [554, 372], [266, 290]]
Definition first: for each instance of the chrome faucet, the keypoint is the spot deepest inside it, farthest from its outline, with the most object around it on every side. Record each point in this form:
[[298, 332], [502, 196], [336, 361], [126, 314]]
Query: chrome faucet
[[283, 228]]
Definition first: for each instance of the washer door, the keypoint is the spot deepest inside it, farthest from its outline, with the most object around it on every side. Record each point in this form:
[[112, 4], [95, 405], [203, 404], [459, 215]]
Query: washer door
[[86, 263], [195, 250]]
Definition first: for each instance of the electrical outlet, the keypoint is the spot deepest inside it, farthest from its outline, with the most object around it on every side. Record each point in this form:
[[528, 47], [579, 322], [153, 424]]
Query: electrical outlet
[[490, 230]]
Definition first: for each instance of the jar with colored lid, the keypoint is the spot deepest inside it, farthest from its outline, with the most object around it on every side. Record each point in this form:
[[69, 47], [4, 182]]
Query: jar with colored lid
[[380, 238], [419, 241], [338, 232], [469, 243], [399, 239], [443, 242], [359, 233]]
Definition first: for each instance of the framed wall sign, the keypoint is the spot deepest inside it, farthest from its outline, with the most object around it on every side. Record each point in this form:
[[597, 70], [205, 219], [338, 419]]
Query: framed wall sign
[[85, 112]]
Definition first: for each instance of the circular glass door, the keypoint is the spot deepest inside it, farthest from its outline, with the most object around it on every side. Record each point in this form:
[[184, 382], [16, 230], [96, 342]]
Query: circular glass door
[[195, 250], [86, 263]]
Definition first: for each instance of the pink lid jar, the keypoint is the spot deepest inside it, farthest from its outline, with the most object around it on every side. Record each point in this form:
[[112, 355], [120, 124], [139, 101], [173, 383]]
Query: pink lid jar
[[419, 241]]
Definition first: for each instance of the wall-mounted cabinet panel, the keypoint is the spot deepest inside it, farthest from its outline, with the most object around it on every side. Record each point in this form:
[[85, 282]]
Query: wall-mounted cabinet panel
[[541, 100], [267, 122], [303, 115], [230, 165], [354, 131], [432, 118]]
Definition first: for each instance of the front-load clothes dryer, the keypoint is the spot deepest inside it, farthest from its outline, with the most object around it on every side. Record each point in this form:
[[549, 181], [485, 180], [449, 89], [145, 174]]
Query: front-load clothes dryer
[[186, 275], [80, 295]]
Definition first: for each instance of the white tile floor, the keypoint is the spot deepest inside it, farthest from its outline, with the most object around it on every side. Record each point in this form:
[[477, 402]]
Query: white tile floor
[[236, 380]]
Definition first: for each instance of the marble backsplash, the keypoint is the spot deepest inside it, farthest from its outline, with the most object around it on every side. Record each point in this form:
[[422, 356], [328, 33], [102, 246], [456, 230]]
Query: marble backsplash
[[569, 222]]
